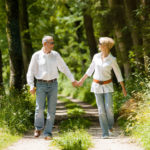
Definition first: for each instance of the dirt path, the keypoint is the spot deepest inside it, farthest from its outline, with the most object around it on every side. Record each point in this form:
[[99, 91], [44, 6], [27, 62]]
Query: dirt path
[[118, 142]]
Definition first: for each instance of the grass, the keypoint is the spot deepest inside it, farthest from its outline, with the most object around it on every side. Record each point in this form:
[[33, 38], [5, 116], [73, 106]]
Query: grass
[[16, 115], [75, 112], [74, 124], [74, 140], [6, 138]]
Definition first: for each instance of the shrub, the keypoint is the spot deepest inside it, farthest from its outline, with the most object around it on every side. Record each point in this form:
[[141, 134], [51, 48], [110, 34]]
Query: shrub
[[78, 140]]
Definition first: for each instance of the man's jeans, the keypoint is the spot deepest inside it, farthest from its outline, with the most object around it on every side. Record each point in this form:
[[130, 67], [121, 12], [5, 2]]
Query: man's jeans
[[44, 90], [105, 109]]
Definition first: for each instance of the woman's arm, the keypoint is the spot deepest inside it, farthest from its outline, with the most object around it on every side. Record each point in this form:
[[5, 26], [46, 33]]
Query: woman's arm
[[123, 88], [80, 83]]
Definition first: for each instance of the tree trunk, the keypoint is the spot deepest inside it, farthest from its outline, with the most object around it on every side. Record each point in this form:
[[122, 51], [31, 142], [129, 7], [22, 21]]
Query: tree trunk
[[80, 37], [27, 49], [88, 23], [1, 72], [145, 19], [14, 43], [130, 6], [113, 4]]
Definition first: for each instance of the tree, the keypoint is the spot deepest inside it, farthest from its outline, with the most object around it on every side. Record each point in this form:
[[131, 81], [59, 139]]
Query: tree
[[118, 23], [14, 43], [130, 7], [1, 77], [27, 49], [145, 19], [88, 24]]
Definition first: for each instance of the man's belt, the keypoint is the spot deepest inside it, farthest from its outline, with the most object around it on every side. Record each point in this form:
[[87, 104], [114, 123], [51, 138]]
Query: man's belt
[[102, 82], [47, 81]]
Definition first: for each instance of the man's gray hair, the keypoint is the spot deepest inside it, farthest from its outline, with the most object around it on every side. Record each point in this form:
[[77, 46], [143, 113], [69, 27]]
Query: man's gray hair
[[46, 38]]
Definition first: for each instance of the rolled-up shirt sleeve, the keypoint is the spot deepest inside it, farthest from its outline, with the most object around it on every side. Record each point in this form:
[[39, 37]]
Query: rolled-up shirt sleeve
[[117, 71], [32, 70], [64, 68], [91, 68]]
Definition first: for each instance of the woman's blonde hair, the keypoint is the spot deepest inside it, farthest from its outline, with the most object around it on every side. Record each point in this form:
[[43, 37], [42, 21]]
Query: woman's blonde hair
[[109, 42]]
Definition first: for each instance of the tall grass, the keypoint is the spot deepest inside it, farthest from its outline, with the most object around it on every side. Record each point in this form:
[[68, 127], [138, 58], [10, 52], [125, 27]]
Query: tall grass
[[74, 140], [16, 115]]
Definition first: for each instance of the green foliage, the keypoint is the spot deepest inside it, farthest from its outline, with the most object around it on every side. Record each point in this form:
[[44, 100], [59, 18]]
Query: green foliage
[[134, 112], [16, 111], [83, 93], [76, 112], [5, 135], [78, 140], [73, 124]]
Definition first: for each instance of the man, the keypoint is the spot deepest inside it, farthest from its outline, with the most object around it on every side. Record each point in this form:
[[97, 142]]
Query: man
[[44, 67]]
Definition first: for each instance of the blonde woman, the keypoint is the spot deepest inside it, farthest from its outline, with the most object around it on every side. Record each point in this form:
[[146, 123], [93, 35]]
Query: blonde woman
[[102, 85]]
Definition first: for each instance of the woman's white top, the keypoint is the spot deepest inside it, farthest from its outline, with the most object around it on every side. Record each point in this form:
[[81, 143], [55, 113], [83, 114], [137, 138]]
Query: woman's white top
[[102, 72]]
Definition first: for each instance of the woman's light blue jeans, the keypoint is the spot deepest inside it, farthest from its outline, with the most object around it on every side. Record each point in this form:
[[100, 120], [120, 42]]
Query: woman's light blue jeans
[[105, 109], [45, 90]]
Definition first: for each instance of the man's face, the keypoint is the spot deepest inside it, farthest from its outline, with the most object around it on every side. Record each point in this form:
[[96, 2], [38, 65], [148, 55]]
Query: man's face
[[49, 44]]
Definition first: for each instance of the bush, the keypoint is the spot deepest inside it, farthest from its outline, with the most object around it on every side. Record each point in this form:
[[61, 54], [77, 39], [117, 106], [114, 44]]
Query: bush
[[74, 124], [17, 111], [78, 140]]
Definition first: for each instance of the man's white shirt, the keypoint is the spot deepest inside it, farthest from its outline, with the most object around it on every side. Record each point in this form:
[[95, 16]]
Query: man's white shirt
[[45, 66], [102, 72]]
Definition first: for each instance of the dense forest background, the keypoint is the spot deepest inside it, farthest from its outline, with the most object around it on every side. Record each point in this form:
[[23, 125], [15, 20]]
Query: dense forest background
[[76, 27]]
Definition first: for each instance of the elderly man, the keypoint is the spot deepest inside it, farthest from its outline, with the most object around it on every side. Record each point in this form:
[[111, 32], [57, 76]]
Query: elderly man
[[44, 67]]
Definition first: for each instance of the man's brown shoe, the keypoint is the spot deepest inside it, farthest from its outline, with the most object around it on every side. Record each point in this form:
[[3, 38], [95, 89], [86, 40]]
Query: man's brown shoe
[[48, 137], [37, 133]]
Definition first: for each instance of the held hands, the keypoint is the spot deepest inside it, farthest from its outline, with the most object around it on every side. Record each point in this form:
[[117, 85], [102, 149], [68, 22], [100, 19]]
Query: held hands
[[77, 83]]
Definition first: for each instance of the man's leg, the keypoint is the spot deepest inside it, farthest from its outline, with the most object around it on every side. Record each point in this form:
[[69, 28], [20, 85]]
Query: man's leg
[[52, 101], [40, 106]]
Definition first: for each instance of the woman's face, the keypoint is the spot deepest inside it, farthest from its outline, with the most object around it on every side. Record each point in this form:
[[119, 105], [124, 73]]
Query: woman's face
[[103, 47]]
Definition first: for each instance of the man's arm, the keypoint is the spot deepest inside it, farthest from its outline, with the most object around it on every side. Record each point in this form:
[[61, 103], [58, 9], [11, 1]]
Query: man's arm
[[64, 68], [32, 69]]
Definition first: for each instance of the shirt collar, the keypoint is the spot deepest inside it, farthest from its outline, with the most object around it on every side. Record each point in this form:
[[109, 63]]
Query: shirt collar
[[109, 55], [44, 54]]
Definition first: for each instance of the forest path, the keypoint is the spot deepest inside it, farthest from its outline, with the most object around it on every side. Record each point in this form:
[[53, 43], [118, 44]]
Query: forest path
[[117, 142]]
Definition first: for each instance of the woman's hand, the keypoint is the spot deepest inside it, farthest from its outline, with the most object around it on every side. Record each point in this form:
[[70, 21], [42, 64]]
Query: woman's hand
[[80, 83], [124, 92], [123, 88]]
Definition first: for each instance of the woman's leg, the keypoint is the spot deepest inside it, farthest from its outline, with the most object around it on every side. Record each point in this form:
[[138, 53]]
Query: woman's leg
[[109, 109], [102, 114]]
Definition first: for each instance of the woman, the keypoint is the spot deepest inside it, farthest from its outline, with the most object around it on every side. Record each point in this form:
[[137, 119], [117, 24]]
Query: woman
[[102, 85]]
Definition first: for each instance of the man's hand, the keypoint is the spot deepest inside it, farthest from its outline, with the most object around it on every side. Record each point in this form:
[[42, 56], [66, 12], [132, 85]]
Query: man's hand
[[75, 83], [33, 91]]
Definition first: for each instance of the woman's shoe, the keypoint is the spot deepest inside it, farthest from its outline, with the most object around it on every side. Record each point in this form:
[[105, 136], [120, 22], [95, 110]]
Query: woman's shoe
[[105, 137]]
